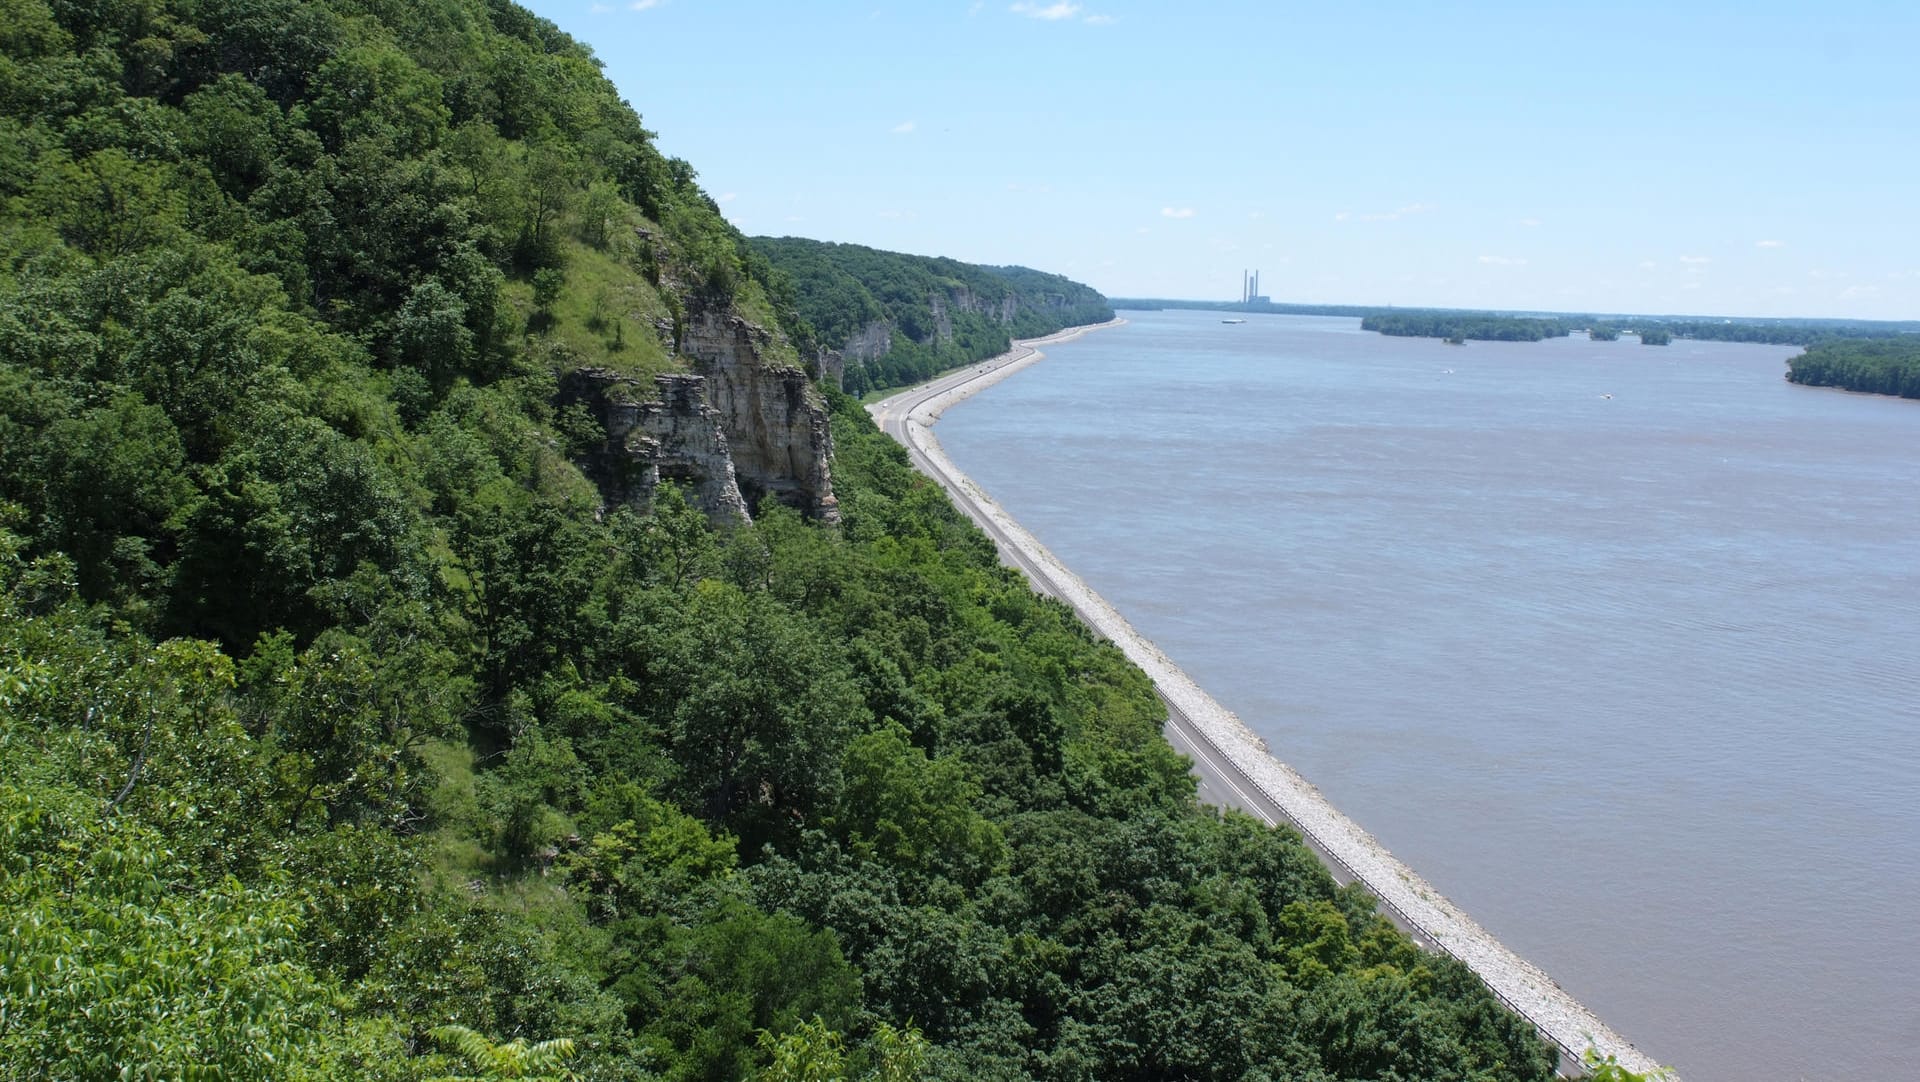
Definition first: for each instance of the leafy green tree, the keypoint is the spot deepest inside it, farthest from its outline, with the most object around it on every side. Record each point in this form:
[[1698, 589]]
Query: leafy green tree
[[756, 708], [115, 963], [541, 1062], [898, 806]]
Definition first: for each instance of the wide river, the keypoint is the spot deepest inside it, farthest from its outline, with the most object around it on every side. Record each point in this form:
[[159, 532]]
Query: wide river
[[1618, 646]]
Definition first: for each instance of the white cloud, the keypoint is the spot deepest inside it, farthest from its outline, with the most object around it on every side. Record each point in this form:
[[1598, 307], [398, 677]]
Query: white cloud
[[1769, 244], [1851, 292], [1098, 20], [1052, 12], [1176, 212], [642, 5], [1648, 264], [1503, 261], [1696, 260], [1530, 222], [905, 127], [726, 197], [601, 9], [1144, 229]]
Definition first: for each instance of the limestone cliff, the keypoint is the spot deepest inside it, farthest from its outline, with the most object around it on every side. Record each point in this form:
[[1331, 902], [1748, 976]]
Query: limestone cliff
[[775, 424], [675, 437]]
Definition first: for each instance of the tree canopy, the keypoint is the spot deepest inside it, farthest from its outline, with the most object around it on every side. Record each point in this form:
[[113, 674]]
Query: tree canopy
[[930, 314], [343, 733]]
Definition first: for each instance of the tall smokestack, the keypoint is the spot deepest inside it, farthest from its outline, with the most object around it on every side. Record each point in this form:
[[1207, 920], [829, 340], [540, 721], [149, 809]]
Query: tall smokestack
[[1243, 287]]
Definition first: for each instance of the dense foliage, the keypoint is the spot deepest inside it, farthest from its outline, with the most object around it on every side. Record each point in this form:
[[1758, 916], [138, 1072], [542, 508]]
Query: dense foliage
[[1881, 366], [1464, 325], [342, 735], [930, 314]]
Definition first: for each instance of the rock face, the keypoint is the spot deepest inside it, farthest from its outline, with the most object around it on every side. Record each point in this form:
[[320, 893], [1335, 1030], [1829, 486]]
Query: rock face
[[775, 424], [870, 344], [678, 438], [962, 298]]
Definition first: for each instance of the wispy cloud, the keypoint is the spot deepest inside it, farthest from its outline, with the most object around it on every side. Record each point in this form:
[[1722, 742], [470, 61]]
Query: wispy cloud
[[1769, 244], [726, 197], [905, 127], [1503, 261], [1050, 12], [600, 9], [1098, 20], [1385, 215], [893, 214], [1530, 223], [1696, 260], [1648, 264], [643, 5], [1176, 212]]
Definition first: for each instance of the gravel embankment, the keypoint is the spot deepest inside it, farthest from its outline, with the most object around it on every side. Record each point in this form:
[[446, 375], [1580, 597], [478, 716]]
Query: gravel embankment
[[1524, 986]]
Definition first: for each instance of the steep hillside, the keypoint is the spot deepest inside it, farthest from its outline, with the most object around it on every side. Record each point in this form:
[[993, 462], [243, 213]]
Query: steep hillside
[[393, 685], [884, 319]]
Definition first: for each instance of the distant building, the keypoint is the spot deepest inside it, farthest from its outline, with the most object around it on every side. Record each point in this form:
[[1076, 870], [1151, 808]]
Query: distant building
[[1250, 289]]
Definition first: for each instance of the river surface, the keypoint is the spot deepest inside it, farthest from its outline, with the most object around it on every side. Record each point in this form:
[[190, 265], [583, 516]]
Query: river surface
[[1617, 645]]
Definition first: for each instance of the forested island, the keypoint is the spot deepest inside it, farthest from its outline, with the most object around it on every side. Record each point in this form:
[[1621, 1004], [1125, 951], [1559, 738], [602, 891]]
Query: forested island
[[886, 319], [1485, 328], [1877, 366], [436, 641]]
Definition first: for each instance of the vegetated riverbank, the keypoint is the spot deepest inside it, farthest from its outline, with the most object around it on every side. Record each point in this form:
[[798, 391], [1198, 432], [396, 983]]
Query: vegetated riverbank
[[1203, 725], [1883, 366]]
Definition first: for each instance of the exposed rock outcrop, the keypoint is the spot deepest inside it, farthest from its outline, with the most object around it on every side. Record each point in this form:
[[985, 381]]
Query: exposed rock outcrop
[[870, 344], [775, 424], [964, 299], [677, 437]]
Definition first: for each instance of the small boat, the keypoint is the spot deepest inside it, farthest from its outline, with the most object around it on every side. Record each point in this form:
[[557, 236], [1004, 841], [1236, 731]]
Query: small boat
[[1233, 321]]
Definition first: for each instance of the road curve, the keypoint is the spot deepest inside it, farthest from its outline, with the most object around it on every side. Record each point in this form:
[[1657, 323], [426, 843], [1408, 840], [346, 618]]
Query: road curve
[[1232, 764]]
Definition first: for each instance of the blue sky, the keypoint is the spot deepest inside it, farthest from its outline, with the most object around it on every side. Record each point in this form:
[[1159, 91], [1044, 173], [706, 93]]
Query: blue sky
[[1709, 158]]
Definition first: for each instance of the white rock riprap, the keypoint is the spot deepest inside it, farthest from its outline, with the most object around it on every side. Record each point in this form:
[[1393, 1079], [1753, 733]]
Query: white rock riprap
[[1521, 984]]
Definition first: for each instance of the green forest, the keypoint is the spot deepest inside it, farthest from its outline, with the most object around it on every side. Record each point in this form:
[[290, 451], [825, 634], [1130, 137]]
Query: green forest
[[1879, 366], [1462, 324], [935, 313], [346, 734], [1465, 325]]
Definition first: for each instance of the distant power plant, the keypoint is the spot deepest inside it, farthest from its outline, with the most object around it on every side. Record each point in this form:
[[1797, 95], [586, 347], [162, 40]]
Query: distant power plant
[[1250, 289]]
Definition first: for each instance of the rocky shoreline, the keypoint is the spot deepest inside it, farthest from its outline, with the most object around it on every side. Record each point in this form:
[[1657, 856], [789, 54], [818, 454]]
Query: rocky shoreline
[[1523, 986]]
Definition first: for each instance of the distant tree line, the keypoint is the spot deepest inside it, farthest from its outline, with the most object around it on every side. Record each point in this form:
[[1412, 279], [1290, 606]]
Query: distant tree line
[[1502, 326], [1485, 328], [1880, 366], [940, 313]]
